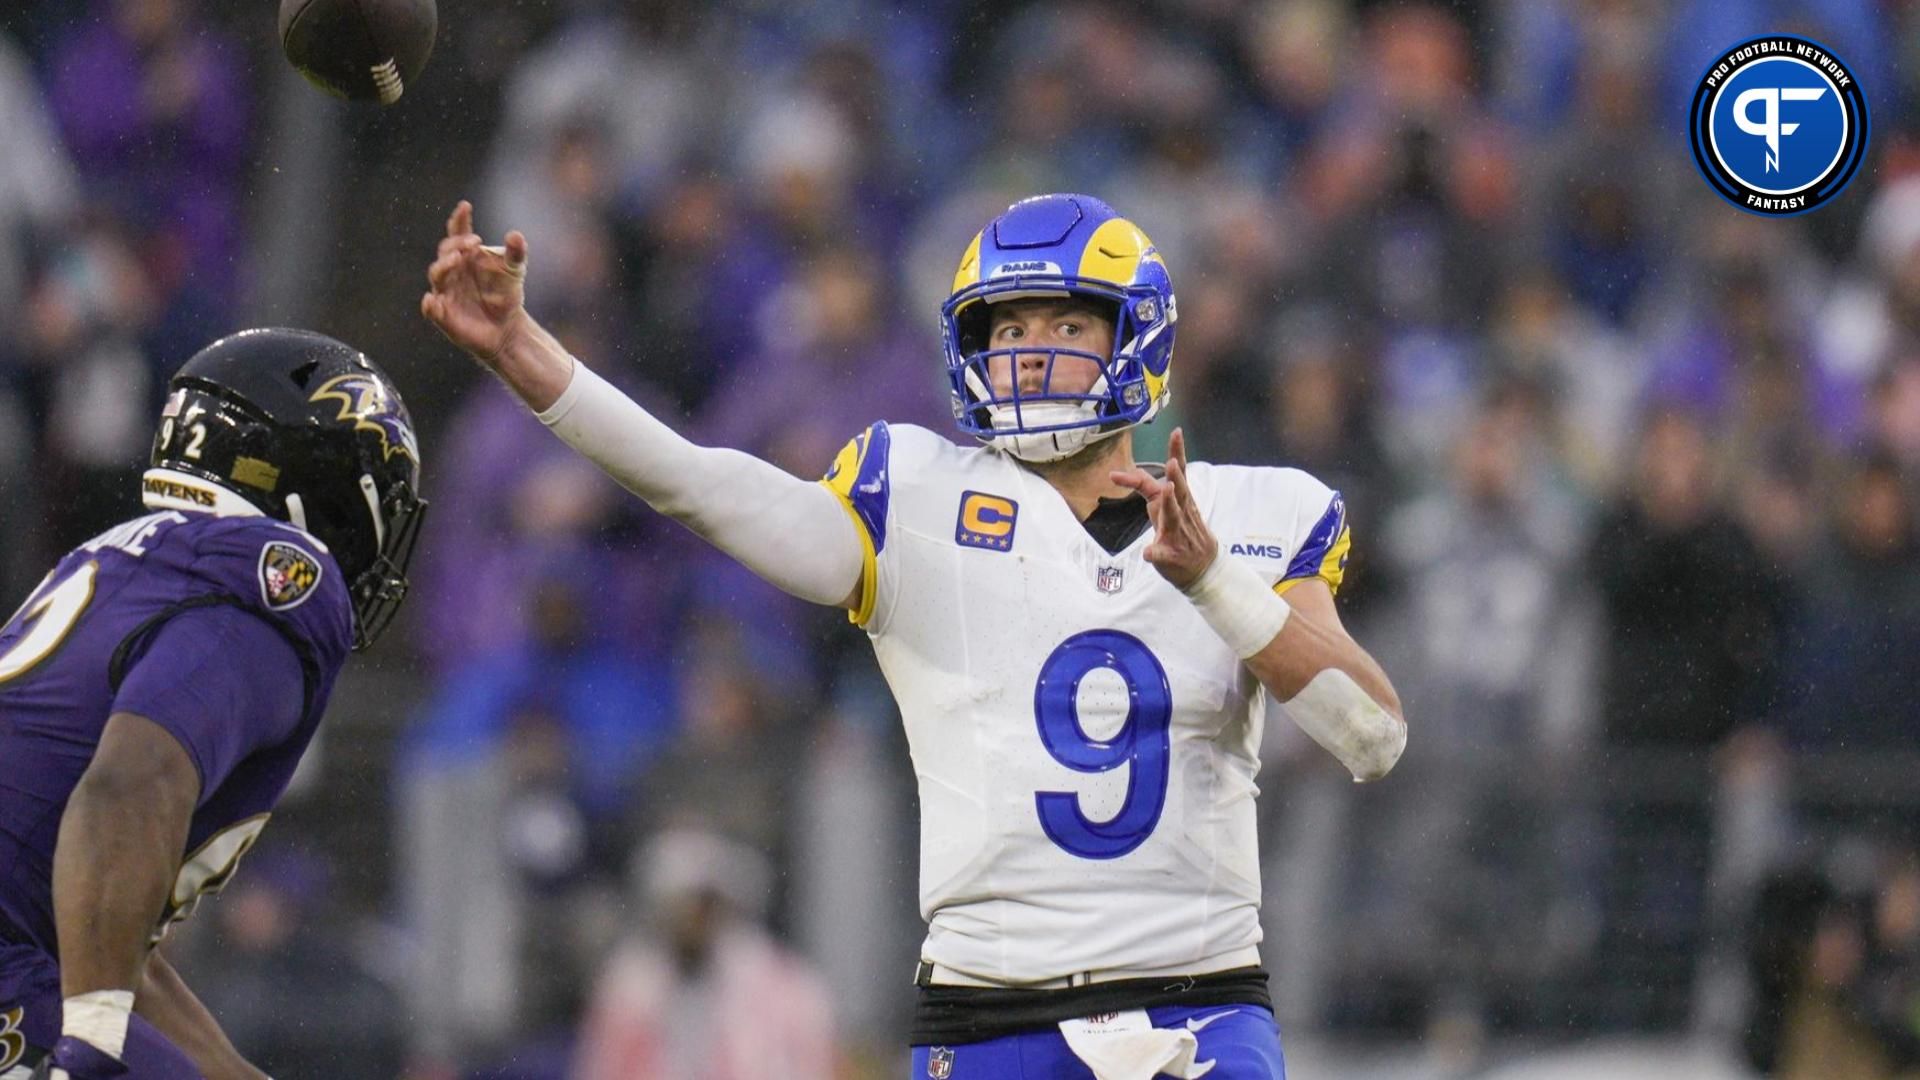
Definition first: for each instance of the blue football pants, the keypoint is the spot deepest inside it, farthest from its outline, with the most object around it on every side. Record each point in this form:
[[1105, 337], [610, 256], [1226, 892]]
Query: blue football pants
[[1242, 1041]]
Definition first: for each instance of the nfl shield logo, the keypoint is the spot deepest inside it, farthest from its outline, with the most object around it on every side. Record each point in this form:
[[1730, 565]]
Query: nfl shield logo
[[940, 1063], [1109, 579]]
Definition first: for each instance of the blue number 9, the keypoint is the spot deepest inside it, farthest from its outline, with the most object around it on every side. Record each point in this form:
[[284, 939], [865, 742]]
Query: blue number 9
[[1142, 742]]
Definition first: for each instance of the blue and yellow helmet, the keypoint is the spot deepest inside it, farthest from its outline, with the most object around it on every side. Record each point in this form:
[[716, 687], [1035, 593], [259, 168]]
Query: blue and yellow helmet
[[1060, 245]]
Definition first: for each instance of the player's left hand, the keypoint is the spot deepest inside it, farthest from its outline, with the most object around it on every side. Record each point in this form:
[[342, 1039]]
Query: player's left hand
[[1183, 547]]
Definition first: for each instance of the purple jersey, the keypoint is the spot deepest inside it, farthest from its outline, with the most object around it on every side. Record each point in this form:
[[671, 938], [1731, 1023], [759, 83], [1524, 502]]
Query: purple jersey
[[225, 631]]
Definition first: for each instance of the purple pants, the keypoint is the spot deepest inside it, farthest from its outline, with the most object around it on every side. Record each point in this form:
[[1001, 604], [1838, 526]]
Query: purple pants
[[30, 1007]]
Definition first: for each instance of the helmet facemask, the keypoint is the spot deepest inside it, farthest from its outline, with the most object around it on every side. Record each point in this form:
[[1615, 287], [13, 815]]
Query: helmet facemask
[[377, 591], [1047, 424], [1071, 247], [370, 513]]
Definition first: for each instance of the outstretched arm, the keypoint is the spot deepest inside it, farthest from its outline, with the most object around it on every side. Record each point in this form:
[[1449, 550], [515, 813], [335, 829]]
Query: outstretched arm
[[1296, 647], [792, 532]]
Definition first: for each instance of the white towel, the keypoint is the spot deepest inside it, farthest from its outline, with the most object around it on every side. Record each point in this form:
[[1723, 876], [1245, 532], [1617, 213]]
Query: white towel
[[1126, 1046]]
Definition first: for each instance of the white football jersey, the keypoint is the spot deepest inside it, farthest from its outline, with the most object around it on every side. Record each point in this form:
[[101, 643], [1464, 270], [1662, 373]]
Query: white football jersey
[[1085, 744]]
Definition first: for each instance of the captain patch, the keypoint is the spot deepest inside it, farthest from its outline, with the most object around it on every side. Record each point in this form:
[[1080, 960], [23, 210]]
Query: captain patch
[[288, 575], [986, 521]]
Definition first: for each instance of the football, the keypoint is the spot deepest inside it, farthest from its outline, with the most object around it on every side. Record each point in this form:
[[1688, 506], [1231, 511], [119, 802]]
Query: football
[[363, 50]]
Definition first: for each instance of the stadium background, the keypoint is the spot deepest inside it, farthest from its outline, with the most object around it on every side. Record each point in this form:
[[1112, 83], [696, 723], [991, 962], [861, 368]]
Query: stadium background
[[1631, 476]]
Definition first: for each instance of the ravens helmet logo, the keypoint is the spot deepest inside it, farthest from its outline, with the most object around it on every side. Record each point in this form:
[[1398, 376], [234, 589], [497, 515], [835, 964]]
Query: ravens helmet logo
[[363, 399]]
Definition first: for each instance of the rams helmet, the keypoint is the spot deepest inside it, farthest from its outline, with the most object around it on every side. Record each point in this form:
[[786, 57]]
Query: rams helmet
[[1067, 246]]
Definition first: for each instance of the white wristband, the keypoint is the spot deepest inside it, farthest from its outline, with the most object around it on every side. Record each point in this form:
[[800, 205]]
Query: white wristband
[[1241, 608], [99, 1018]]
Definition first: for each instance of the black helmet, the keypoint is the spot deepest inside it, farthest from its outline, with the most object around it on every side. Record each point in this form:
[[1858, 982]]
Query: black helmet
[[307, 429]]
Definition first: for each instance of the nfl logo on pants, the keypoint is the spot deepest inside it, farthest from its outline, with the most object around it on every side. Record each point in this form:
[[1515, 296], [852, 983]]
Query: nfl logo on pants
[[940, 1063]]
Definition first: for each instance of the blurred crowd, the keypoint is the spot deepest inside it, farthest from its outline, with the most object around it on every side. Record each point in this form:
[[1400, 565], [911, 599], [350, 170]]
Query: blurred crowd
[[1632, 478]]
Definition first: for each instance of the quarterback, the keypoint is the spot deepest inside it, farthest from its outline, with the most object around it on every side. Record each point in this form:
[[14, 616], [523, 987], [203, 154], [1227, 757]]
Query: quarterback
[[159, 688], [1083, 664]]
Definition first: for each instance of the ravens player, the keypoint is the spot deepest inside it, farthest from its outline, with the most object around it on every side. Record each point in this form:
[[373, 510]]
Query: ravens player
[[160, 685], [1084, 649]]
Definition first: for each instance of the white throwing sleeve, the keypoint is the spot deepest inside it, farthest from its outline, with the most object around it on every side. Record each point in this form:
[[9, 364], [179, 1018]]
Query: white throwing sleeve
[[792, 532]]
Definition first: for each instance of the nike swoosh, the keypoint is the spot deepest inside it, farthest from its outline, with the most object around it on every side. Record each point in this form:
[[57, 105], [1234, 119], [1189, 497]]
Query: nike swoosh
[[1195, 1023]]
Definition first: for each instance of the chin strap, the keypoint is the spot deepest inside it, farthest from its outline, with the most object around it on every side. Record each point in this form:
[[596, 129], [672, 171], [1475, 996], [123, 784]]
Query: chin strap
[[1045, 447]]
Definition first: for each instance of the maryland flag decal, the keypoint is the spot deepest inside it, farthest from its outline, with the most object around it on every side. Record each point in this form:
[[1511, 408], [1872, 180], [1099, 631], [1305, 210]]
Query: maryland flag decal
[[288, 575]]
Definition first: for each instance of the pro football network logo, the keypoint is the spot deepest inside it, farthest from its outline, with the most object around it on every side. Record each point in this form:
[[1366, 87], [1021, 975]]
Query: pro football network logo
[[1779, 125]]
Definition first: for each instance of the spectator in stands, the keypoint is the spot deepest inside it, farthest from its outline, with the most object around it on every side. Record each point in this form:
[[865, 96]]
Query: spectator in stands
[[153, 103], [1837, 970], [1870, 316], [684, 272], [1604, 186], [739, 201], [510, 504], [703, 990], [37, 186], [88, 312], [1588, 374], [1466, 866], [277, 926], [523, 757], [1693, 627], [1789, 908], [37, 183], [731, 764], [647, 78], [1741, 319], [1894, 415], [1694, 623], [1852, 661], [1292, 52], [1312, 411]]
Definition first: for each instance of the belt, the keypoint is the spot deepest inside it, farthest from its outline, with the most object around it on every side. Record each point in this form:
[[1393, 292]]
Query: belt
[[928, 973]]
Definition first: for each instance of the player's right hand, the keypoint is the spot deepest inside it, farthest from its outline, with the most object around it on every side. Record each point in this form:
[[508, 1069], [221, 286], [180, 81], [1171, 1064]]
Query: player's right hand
[[476, 292], [77, 1059], [1183, 546]]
